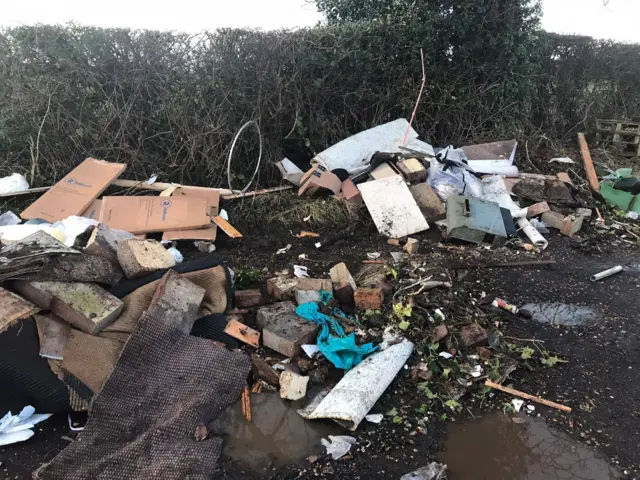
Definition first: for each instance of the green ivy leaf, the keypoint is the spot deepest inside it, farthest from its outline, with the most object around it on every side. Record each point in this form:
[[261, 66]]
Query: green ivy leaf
[[453, 405], [526, 353], [404, 325], [551, 361], [393, 412]]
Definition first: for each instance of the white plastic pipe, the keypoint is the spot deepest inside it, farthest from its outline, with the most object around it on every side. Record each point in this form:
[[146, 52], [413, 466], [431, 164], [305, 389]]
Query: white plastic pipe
[[533, 234], [607, 273]]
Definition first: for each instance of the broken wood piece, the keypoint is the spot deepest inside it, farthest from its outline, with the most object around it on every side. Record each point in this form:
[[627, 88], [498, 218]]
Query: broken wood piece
[[246, 403], [255, 193], [526, 396], [524, 263], [54, 334], [589, 169], [305, 234], [177, 301], [243, 333], [257, 388], [160, 187], [13, 308], [226, 227]]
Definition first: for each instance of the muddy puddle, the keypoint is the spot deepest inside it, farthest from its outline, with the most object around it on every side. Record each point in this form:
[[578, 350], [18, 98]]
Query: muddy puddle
[[561, 313], [277, 436], [495, 447]]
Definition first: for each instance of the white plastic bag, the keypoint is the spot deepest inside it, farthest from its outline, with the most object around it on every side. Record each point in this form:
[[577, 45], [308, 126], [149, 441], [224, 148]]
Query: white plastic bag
[[13, 183]]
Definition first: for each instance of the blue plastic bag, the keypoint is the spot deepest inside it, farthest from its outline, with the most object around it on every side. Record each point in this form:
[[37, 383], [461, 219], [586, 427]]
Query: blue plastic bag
[[340, 349]]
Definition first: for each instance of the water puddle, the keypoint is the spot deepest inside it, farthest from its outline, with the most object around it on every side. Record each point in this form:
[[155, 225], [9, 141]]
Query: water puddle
[[560, 313], [495, 447], [277, 436]]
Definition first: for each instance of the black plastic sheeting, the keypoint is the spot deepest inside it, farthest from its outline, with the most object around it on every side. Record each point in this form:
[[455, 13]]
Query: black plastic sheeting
[[212, 327], [25, 377]]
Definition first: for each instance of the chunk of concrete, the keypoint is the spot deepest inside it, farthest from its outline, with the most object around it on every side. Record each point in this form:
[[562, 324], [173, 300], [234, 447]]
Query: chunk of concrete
[[282, 288], [293, 386], [270, 313], [472, 335], [13, 308], [283, 331], [104, 242], [84, 305], [368, 298], [248, 298], [177, 301], [307, 296], [340, 276], [430, 204], [553, 220], [412, 246], [140, 257], [571, 225], [263, 371], [584, 212]]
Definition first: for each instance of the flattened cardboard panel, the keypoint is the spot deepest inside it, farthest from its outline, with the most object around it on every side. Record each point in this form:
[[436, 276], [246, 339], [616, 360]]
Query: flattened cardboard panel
[[392, 207], [213, 204], [74, 193], [154, 214]]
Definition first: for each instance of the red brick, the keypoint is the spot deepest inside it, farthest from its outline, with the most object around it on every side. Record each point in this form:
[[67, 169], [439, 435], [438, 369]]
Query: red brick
[[537, 209], [351, 193], [248, 298], [368, 298]]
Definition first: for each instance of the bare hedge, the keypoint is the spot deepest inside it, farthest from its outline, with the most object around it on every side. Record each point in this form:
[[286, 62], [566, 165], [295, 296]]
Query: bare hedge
[[170, 103]]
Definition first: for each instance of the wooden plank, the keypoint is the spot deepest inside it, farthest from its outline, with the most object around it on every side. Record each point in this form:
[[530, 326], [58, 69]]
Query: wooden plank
[[226, 227], [243, 333], [256, 192], [590, 171], [13, 308]]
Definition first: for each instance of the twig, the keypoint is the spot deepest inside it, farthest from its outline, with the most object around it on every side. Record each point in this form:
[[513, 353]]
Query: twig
[[34, 160], [523, 339], [526, 396], [415, 109]]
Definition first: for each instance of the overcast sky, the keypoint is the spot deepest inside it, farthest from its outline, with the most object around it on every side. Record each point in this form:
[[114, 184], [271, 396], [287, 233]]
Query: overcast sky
[[619, 19]]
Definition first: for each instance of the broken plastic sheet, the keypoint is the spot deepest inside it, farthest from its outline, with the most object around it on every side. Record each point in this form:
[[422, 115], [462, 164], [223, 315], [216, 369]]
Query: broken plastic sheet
[[9, 218], [338, 445], [17, 428], [452, 181], [359, 390], [494, 190], [356, 151], [392, 207], [339, 348]]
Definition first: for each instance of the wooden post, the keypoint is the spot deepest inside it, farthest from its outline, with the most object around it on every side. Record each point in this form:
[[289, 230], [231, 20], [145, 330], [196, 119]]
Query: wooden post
[[588, 163], [527, 396]]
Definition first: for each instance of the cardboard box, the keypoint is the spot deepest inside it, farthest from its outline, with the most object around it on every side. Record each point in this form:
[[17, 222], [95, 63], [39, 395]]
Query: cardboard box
[[74, 193], [93, 212], [318, 178], [154, 214], [213, 205]]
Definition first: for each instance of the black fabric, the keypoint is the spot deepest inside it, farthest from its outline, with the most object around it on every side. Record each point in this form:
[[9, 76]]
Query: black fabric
[[212, 327], [25, 377], [125, 287]]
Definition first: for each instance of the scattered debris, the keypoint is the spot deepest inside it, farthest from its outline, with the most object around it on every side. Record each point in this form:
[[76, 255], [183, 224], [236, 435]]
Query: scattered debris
[[338, 445], [433, 471], [18, 428], [243, 333], [499, 303], [292, 385]]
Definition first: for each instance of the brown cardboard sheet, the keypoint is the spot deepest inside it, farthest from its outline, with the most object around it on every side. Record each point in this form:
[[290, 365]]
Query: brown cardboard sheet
[[154, 214], [75, 192], [213, 203]]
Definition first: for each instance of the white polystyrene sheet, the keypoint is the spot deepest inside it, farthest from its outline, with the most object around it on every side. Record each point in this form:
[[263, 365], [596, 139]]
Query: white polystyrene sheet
[[356, 151], [495, 167], [360, 388], [392, 207]]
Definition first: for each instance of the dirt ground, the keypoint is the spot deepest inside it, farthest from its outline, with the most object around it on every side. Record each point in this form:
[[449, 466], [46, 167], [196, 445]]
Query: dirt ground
[[598, 382]]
